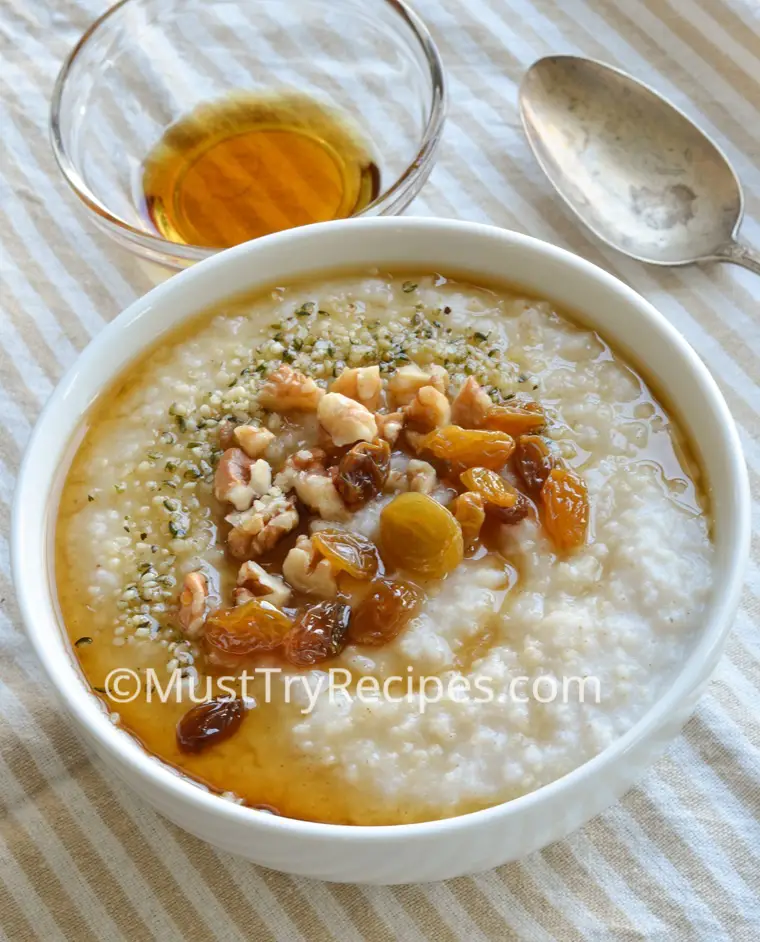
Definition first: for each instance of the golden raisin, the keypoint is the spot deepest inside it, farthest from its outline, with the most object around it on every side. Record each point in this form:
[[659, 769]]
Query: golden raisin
[[254, 627], [466, 448], [565, 500], [362, 472], [491, 487], [351, 553], [319, 633], [514, 514], [384, 612], [533, 461], [469, 513], [421, 536], [515, 419], [209, 723]]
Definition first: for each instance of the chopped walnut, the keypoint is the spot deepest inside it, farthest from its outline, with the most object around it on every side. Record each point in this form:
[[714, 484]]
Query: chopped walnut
[[241, 595], [253, 439], [414, 440], [287, 390], [261, 477], [319, 494], [307, 572], [258, 529], [428, 410], [363, 384], [239, 479], [416, 476], [307, 459], [389, 425], [192, 604], [471, 405], [469, 511], [345, 420], [227, 434], [305, 473], [421, 476], [408, 380], [262, 585], [239, 543]]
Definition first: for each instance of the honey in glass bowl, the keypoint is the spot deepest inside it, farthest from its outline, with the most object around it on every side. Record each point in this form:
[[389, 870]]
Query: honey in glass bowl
[[252, 164]]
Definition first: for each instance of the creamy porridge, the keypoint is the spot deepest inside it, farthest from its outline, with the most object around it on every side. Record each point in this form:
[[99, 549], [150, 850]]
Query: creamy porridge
[[404, 485]]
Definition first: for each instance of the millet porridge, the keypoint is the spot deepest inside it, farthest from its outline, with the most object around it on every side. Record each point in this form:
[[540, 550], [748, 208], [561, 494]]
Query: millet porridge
[[404, 478]]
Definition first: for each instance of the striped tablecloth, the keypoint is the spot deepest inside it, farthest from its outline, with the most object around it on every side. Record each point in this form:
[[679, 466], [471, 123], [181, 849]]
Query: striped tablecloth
[[678, 858]]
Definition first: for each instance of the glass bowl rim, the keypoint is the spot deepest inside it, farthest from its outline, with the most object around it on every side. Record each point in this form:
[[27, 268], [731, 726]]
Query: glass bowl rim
[[144, 240]]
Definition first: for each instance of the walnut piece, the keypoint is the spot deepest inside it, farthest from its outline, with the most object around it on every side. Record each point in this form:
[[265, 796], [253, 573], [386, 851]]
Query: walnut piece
[[345, 420], [259, 529], [239, 479], [227, 434], [305, 473], [307, 459], [192, 604], [415, 440], [416, 476], [260, 584], [421, 476], [389, 425], [319, 493], [471, 405], [240, 596], [363, 384], [405, 383], [428, 410], [253, 439], [307, 572], [287, 390]]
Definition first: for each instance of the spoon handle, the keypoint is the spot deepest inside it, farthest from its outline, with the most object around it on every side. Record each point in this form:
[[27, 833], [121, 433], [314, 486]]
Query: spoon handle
[[739, 254]]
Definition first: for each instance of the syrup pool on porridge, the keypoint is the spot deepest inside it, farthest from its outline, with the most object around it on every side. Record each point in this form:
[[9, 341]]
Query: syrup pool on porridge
[[392, 475]]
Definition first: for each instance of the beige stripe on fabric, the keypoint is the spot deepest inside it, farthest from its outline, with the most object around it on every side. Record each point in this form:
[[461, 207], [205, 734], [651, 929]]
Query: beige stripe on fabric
[[81, 858], [625, 19]]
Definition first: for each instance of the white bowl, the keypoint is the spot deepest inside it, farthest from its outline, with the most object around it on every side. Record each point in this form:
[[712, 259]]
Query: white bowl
[[410, 852]]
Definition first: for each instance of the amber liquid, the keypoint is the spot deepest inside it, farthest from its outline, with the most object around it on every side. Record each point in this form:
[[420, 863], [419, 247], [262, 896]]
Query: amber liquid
[[253, 164]]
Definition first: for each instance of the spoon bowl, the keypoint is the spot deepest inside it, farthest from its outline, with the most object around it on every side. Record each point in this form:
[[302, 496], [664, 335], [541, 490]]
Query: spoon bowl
[[641, 175]]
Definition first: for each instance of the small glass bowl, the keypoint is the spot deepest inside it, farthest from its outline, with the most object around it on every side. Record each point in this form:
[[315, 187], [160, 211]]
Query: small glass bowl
[[146, 63]]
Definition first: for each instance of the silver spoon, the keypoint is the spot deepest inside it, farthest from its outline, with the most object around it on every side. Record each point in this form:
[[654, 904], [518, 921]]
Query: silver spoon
[[634, 169]]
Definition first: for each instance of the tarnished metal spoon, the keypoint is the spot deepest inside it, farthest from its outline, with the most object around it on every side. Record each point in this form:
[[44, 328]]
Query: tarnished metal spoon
[[635, 169]]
